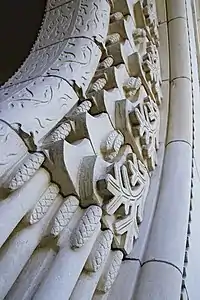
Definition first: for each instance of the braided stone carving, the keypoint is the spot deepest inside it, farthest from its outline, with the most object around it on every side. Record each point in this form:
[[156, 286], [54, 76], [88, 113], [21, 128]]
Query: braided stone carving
[[99, 252], [64, 215], [43, 204], [110, 273], [86, 226], [26, 171]]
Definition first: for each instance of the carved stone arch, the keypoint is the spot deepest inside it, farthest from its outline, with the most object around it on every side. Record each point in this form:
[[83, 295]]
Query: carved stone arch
[[70, 38], [99, 165]]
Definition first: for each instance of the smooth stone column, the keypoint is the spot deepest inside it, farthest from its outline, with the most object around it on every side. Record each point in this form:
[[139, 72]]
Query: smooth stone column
[[168, 235], [18, 203], [19, 248], [66, 268], [33, 273]]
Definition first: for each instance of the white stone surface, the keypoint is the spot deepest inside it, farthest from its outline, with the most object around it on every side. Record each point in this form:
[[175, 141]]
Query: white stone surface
[[126, 282], [169, 230], [180, 113], [15, 254], [18, 203], [66, 268], [178, 41], [159, 281], [31, 276]]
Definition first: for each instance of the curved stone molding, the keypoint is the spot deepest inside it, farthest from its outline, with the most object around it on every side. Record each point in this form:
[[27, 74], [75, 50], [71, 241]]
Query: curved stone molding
[[90, 105], [65, 54]]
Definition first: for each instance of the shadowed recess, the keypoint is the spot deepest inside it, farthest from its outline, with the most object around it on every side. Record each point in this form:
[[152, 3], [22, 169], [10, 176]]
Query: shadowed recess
[[20, 21]]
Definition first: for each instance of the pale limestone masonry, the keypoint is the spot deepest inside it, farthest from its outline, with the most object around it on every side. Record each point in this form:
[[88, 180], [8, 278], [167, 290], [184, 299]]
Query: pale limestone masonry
[[100, 155]]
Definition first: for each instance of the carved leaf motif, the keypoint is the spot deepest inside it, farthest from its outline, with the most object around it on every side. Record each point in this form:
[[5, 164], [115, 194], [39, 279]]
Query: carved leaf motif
[[151, 66], [147, 117], [86, 226], [43, 204], [113, 143], [99, 252], [26, 171], [110, 273], [64, 215], [124, 190]]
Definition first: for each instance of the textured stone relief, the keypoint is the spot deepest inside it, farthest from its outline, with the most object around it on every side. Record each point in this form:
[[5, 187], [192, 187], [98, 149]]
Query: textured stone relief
[[99, 252], [9, 156], [86, 226], [64, 215], [110, 148], [140, 124], [124, 191], [43, 204], [110, 272], [26, 170], [38, 108], [90, 103]]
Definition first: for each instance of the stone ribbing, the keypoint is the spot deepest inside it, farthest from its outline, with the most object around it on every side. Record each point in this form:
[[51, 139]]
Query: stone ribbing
[[165, 253]]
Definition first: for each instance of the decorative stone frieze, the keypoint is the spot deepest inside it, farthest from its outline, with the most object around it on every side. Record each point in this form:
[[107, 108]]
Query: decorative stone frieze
[[85, 104]]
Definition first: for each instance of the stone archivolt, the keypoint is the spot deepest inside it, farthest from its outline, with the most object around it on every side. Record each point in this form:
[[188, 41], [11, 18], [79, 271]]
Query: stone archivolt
[[87, 100]]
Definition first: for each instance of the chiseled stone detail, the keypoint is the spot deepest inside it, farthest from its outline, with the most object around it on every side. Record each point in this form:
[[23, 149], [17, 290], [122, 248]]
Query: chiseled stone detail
[[99, 252], [106, 63], [146, 121], [151, 66], [124, 191], [28, 168], [132, 86], [60, 133], [8, 155], [64, 215], [98, 85], [83, 107], [43, 204], [86, 226], [110, 273], [110, 148]]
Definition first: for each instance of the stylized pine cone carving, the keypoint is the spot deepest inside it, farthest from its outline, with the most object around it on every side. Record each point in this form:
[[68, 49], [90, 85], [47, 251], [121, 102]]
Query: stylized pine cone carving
[[86, 227], [106, 63], [110, 273], [43, 204], [27, 170], [116, 17], [99, 252], [83, 107], [61, 132], [98, 85], [113, 38], [64, 215]]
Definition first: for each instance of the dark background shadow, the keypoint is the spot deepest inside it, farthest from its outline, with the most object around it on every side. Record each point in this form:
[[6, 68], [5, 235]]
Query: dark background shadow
[[20, 21]]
